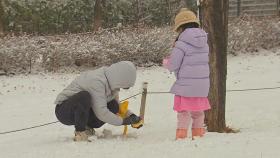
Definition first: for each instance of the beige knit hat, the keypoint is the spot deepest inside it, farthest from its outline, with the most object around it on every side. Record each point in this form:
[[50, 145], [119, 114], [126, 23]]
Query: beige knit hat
[[183, 17]]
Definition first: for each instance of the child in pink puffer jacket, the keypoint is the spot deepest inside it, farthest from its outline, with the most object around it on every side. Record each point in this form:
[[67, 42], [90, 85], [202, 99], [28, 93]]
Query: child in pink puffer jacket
[[189, 61]]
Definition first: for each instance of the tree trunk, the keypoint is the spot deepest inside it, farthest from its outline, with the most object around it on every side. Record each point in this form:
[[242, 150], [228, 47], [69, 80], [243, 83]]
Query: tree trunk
[[278, 7], [1, 18], [97, 19], [138, 11], [183, 4], [215, 22]]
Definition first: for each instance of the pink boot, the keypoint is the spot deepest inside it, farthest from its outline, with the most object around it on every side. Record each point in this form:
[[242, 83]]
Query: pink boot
[[181, 134], [198, 132]]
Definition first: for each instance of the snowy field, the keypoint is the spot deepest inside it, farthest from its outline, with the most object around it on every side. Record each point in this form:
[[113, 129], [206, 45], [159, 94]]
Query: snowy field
[[28, 100]]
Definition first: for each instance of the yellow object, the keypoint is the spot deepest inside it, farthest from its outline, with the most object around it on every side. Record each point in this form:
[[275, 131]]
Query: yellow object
[[138, 125], [123, 108], [183, 17]]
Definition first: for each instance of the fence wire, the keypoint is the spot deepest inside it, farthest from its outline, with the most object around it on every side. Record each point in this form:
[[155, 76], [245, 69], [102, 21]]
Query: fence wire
[[151, 92]]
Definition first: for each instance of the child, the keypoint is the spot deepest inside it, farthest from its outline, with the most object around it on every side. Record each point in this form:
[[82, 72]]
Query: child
[[189, 61], [91, 100]]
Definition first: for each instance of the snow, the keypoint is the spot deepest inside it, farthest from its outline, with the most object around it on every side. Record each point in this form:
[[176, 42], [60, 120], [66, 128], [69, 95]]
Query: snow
[[27, 100]]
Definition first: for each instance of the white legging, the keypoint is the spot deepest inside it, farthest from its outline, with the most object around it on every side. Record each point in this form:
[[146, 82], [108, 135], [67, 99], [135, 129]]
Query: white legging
[[184, 119]]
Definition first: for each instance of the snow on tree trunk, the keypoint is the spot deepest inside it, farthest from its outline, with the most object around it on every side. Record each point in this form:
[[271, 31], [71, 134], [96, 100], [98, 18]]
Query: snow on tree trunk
[[215, 22]]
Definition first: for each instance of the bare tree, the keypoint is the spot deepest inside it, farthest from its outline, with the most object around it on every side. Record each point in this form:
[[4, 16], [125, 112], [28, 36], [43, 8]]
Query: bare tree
[[1, 18], [215, 22], [138, 10], [97, 19], [183, 3]]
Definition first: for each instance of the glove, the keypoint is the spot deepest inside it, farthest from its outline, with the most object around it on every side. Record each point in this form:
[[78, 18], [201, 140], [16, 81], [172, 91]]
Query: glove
[[132, 119], [138, 125]]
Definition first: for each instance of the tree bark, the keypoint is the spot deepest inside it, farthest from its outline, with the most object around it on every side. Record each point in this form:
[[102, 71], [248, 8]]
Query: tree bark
[[183, 4], [97, 19], [138, 10], [215, 22], [1, 18], [278, 7]]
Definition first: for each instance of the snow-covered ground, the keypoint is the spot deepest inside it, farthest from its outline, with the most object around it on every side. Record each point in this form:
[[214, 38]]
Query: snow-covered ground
[[28, 100]]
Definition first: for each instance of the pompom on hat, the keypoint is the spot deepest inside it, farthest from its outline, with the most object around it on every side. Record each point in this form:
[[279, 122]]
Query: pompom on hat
[[183, 17]]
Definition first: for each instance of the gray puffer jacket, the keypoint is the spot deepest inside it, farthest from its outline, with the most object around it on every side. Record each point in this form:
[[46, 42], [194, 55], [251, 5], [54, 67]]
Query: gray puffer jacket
[[103, 84]]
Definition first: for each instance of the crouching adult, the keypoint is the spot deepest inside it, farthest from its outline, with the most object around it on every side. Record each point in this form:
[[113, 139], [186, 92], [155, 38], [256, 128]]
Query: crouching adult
[[91, 100]]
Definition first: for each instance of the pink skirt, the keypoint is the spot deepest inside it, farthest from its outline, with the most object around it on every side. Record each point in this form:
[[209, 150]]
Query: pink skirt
[[191, 103]]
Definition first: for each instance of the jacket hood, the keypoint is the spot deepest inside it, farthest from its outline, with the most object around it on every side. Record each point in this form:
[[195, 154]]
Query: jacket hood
[[194, 36], [121, 75]]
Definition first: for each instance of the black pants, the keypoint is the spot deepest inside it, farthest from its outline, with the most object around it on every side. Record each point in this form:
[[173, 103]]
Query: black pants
[[76, 110]]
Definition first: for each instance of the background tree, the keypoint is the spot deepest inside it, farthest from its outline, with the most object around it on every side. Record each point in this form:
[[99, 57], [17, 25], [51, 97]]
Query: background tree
[[56, 17], [97, 19], [215, 22], [1, 18]]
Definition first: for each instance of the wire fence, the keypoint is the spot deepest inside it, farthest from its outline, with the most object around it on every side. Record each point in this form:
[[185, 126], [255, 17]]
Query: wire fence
[[254, 7], [151, 92]]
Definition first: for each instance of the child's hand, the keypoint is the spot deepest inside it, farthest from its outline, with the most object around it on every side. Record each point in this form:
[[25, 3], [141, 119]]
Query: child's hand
[[165, 62]]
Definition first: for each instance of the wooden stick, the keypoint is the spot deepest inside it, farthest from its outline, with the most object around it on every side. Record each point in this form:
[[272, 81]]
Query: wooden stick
[[143, 100], [125, 130]]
